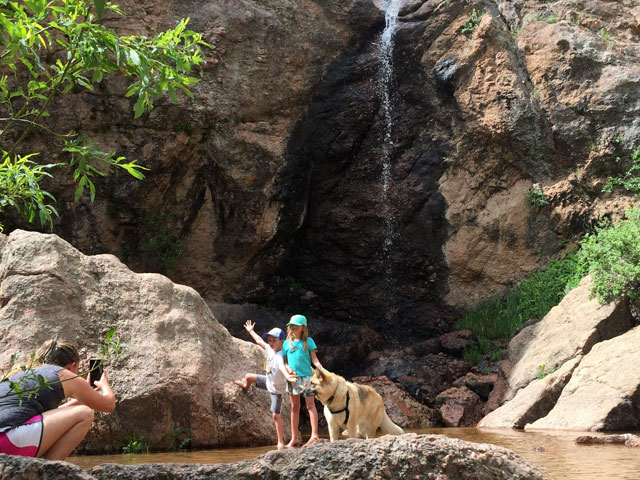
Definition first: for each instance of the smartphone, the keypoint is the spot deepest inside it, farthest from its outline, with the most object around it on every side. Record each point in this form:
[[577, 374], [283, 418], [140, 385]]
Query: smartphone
[[95, 368]]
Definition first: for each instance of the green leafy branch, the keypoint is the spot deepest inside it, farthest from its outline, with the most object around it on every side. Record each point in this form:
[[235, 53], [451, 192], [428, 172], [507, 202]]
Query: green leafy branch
[[80, 52]]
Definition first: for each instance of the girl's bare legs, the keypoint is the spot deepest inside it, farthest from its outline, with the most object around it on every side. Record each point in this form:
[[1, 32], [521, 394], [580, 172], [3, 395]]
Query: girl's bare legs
[[248, 380], [277, 419], [63, 429], [313, 419], [294, 400]]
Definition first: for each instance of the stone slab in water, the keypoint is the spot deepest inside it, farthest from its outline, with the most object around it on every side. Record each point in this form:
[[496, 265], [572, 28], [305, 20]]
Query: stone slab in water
[[403, 456]]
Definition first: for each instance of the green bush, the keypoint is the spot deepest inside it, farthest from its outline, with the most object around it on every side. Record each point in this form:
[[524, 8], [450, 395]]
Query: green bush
[[536, 197], [136, 444], [472, 22], [612, 256], [499, 317]]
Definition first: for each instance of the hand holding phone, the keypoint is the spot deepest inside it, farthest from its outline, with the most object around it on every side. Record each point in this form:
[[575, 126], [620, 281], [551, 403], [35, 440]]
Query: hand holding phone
[[95, 370]]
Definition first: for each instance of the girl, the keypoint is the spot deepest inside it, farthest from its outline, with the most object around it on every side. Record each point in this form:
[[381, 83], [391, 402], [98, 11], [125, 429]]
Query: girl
[[299, 352], [35, 426]]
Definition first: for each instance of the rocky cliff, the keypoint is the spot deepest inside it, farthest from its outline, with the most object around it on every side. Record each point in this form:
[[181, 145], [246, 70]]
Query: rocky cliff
[[269, 180]]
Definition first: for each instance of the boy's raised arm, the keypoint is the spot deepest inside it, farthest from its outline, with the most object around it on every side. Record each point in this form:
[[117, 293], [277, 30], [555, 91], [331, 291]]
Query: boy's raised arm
[[249, 326]]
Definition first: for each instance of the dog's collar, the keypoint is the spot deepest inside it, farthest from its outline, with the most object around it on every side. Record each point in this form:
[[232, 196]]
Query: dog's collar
[[345, 409]]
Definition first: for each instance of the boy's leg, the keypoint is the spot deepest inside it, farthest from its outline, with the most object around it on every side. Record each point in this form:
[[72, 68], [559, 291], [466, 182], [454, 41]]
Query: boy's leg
[[313, 419], [277, 420], [295, 418], [276, 405], [248, 380]]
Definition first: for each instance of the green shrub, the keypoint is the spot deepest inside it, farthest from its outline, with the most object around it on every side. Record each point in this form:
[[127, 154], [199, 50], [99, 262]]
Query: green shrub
[[630, 181], [612, 256], [546, 368], [136, 444], [536, 197], [472, 22], [499, 317]]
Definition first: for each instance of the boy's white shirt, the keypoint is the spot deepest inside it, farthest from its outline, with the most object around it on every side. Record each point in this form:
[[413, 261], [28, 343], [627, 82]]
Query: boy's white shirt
[[276, 383]]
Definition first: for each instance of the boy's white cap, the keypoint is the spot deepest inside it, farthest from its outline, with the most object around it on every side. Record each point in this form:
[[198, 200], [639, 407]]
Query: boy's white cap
[[274, 332]]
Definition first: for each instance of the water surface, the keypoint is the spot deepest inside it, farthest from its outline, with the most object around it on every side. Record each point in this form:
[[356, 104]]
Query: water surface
[[561, 458]]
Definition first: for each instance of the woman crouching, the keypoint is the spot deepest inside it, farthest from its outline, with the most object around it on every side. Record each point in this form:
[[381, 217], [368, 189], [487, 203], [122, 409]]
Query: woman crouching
[[37, 425]]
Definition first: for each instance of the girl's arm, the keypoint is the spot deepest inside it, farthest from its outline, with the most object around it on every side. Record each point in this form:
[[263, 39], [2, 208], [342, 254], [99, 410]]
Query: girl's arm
[[288, 373], [314, 359], [102, 398], [249, 326]]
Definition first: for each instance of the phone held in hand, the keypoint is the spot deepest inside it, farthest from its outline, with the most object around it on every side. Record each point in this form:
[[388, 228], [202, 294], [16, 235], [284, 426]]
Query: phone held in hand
[[95, 370]]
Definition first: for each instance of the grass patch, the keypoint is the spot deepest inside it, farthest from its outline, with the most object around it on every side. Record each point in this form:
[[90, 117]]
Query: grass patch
[[495, 320]]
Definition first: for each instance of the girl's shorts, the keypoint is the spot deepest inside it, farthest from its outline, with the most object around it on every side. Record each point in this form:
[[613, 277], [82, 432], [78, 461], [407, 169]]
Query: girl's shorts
[[23, 440], [301, 387]]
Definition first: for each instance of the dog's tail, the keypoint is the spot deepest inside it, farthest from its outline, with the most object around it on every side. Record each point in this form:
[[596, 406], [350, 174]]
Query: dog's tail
[[388, 427]]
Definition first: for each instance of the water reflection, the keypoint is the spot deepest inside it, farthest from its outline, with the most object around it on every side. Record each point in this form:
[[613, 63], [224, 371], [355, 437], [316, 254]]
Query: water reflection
[[560, 459]]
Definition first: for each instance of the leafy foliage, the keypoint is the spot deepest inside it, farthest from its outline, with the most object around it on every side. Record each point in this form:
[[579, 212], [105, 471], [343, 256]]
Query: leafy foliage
[[630, 181], [49, 47], [472, 22], [179, 440], [136, 444], [536, 197], [612, 257], [498, 318]]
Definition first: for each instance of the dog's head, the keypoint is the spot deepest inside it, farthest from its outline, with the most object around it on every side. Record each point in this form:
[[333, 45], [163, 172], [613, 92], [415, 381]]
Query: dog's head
[[323, 383]]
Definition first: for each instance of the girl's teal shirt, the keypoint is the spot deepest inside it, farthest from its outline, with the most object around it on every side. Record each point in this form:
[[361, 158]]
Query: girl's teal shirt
[[297, 357]]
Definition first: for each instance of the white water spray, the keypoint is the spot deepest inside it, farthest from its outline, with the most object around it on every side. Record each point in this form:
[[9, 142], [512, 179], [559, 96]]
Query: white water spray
[[385, 85]]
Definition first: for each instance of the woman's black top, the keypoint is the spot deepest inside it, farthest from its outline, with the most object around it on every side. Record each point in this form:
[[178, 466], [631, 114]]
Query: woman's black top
[[14, 412]]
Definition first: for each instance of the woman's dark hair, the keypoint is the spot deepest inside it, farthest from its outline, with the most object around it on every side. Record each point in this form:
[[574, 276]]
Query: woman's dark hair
[[54, 352]]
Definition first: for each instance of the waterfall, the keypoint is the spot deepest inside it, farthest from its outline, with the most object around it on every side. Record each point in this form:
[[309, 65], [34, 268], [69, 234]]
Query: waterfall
[[385, 47]]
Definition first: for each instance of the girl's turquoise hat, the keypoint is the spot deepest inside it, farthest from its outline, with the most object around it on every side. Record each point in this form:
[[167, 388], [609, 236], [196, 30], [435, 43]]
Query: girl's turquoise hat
[[298, 320]]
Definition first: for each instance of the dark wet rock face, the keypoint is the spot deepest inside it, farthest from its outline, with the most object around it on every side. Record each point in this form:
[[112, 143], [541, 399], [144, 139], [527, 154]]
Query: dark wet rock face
[[340, 247]]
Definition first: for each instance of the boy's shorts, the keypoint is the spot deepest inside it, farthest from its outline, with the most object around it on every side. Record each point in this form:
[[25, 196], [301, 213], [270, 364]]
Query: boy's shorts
[[23, 440], [302, 386], [276, 398]]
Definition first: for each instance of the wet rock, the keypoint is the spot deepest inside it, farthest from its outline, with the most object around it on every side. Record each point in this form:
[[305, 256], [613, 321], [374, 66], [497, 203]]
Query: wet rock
[[402, 409], [627, 439], [481, 384], [179, 368], [391, 456], [460, 407], [454, 343]]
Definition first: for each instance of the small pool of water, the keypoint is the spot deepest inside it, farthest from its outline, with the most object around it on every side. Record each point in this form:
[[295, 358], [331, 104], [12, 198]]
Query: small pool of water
[[562, 458]]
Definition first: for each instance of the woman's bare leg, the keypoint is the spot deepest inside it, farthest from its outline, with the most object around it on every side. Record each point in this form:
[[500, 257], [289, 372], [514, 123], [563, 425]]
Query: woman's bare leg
[[63, 429]]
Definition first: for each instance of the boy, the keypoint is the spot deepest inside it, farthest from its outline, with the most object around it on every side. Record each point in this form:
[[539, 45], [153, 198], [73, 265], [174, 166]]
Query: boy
[[275, 378]]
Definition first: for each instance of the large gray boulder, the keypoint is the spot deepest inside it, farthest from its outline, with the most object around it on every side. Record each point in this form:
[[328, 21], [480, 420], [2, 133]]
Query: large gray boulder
[[405, 456], [179, 368]]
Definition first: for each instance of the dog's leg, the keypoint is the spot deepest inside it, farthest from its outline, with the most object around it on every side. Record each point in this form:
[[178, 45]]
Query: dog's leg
[[334, 428]]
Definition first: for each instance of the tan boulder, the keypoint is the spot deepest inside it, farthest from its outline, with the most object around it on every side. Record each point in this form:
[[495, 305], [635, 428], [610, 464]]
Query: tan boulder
[[602, 394], [569, 330], [531, 402], [178, 370]]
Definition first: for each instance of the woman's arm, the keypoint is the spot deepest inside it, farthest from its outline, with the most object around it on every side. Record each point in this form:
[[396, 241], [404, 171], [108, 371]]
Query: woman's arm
[[102, 398]]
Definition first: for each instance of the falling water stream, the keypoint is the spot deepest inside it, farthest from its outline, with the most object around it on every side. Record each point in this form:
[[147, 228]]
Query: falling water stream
[[385, 47]]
